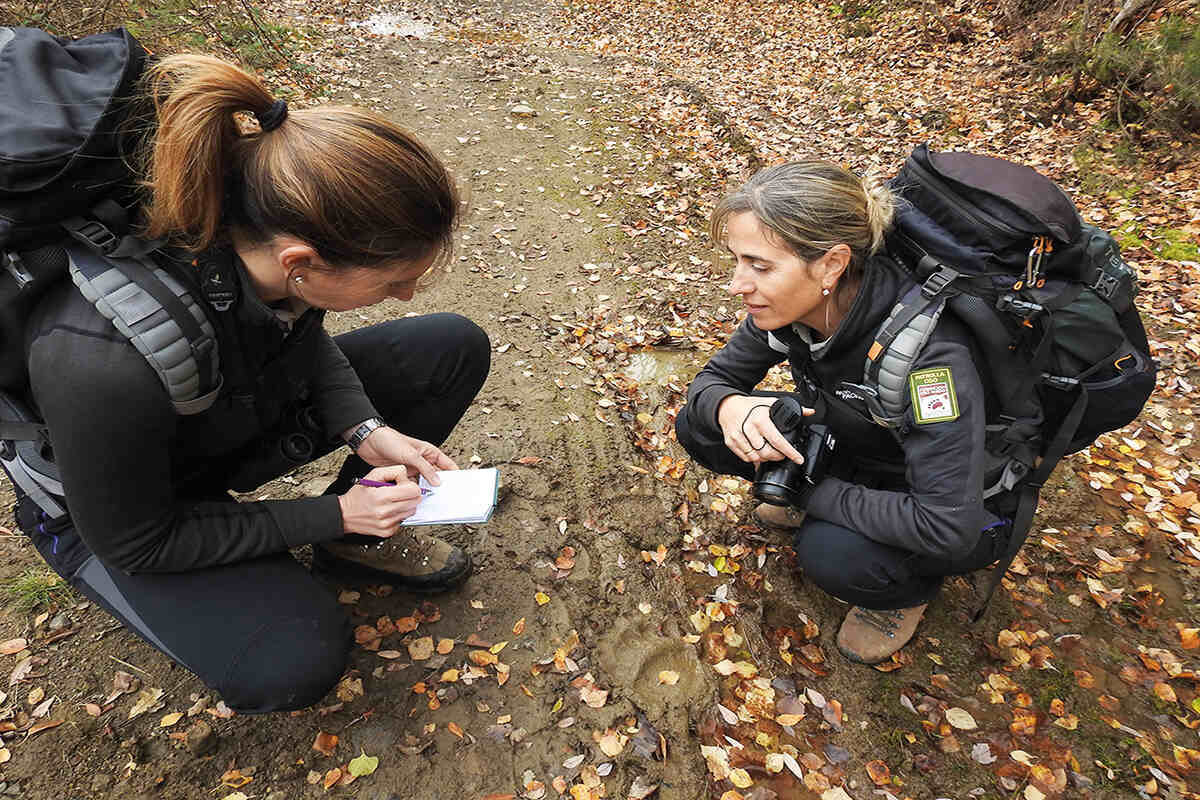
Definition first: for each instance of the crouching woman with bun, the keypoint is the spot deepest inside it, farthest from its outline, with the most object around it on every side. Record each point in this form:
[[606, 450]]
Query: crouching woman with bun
[[890, 519]]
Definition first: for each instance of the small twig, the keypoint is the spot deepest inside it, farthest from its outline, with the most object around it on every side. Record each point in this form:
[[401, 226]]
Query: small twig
[[267, 38], [115, 627], [127, 664]]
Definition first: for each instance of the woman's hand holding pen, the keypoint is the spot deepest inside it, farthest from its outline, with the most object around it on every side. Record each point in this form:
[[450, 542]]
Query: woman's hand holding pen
[[387, 447], [379, 502], [750, 434]]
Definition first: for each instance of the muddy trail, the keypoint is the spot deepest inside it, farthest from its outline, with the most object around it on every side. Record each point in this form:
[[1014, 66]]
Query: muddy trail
[[628, 632]]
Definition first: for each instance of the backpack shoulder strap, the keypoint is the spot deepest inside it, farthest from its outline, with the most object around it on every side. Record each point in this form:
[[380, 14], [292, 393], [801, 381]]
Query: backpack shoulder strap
[[159, 316], [899, 341]]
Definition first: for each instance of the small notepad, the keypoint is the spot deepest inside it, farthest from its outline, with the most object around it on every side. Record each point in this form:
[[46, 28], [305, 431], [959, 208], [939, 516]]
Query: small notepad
[[464, 496]]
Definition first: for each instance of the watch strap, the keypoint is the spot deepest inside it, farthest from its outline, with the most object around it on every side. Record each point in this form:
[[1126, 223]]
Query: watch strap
[[365, 429]]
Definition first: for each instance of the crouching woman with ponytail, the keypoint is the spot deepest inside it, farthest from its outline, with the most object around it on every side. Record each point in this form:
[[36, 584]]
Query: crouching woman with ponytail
[[271, 225], [890, 518]]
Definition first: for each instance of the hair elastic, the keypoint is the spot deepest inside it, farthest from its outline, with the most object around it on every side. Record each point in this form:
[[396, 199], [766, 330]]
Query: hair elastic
[[273, 117]]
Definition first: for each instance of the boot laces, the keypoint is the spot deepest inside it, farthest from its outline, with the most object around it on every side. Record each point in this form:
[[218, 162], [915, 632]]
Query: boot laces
[[413, 547], [886, 621]]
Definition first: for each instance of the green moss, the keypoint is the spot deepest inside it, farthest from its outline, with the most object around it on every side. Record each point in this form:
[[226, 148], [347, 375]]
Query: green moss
[[1128, 236], [1174, 244]]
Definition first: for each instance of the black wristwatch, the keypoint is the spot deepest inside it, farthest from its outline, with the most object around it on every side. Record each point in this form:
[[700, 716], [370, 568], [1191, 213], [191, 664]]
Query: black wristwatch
[[365, 429]]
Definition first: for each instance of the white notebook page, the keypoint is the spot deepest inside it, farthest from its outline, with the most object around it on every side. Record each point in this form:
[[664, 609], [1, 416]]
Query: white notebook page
[[465, 495]]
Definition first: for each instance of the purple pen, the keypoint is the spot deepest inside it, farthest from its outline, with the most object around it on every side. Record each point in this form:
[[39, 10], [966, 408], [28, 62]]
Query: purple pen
[[368, 482]]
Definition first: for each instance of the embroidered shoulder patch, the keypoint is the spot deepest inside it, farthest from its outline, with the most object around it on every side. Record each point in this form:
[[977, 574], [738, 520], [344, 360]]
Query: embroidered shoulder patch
[[933, 397]]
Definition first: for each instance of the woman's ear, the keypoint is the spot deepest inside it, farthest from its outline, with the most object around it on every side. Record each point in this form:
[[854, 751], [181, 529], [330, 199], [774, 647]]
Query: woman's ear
[[833, 264], [296, 258]]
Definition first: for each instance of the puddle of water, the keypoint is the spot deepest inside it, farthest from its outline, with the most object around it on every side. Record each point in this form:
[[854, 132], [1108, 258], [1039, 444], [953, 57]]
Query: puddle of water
[[391, 24], [657, 366]]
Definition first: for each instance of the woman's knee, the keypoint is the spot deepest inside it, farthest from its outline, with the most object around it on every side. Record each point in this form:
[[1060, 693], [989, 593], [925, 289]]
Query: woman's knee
[[842, 562], [473, 342], [291, 664]]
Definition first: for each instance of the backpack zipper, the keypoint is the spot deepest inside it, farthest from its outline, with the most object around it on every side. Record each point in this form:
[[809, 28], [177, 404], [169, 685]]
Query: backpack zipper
[[938, 187]]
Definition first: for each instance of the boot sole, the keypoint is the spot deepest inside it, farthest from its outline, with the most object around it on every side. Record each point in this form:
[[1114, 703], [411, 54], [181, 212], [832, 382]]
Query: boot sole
[[326, 564]]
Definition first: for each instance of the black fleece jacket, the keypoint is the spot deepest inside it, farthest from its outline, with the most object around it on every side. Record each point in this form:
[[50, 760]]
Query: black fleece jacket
[[924, 494], [144, 485]]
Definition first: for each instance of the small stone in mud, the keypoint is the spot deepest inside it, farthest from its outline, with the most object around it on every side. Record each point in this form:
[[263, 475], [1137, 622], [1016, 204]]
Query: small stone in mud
[[838, 755], [523, 111], [101, 781], [544, 69], [58, 622], [201, 739]]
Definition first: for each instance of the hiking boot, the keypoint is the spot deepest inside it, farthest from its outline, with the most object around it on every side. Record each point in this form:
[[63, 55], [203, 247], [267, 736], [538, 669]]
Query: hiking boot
[[410, 561], [778, 517], [870, 636]]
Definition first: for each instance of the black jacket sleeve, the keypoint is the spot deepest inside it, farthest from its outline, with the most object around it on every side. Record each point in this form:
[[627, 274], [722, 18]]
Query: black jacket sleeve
[[736, 368], [337, 391], [111, 426], [942, 514]]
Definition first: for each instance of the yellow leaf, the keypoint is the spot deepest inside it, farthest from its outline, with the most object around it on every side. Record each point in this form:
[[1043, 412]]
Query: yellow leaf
[[1164, 692], [420, 649], [960, 718], [668, 677], [611, 742], [362, 765], [542, 598], [170, 719], [519, 627], [740, 778]]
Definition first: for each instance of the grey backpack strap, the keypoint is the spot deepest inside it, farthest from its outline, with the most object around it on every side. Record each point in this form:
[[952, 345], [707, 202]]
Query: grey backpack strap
[[159, 317], [897, 344]]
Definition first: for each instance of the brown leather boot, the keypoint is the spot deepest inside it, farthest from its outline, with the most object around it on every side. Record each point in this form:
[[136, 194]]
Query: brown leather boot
[[778, 517], [870, 636], [410, 561]]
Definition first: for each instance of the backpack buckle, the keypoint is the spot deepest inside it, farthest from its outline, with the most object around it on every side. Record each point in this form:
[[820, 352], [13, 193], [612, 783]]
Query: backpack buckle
[[1021, 308], [1105, 285], [936, 283], [16, 267], [202, 346], [97, 235]]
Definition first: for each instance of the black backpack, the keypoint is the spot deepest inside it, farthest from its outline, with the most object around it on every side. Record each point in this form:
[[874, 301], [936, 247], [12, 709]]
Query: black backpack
[[69, 124], [1048, 300]]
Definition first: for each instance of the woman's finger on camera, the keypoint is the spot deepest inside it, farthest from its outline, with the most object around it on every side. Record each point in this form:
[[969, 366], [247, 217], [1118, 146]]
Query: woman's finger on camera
[[785, 448]]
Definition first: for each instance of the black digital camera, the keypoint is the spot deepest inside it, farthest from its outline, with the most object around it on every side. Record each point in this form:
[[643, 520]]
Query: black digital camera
[[786, 483]]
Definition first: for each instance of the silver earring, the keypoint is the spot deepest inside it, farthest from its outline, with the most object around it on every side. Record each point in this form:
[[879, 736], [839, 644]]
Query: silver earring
[[300, 279], [825, 290]]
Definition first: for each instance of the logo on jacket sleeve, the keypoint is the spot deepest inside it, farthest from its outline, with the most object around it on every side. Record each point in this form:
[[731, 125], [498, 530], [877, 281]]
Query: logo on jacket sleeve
[[933, 397]]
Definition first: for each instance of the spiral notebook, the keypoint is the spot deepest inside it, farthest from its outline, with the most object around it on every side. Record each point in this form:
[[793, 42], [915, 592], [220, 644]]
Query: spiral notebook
[[465, 496]]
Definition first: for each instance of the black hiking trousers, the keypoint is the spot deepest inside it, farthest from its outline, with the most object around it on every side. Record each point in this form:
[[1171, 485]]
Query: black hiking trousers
[[849, 565], [264, 633]]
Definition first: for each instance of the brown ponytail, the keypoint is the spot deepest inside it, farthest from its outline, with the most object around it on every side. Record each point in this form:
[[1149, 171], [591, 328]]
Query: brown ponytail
[[356, 187]]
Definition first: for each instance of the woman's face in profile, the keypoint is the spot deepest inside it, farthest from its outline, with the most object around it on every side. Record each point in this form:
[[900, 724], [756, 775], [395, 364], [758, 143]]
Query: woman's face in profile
[[347, 289], [775, 284]]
